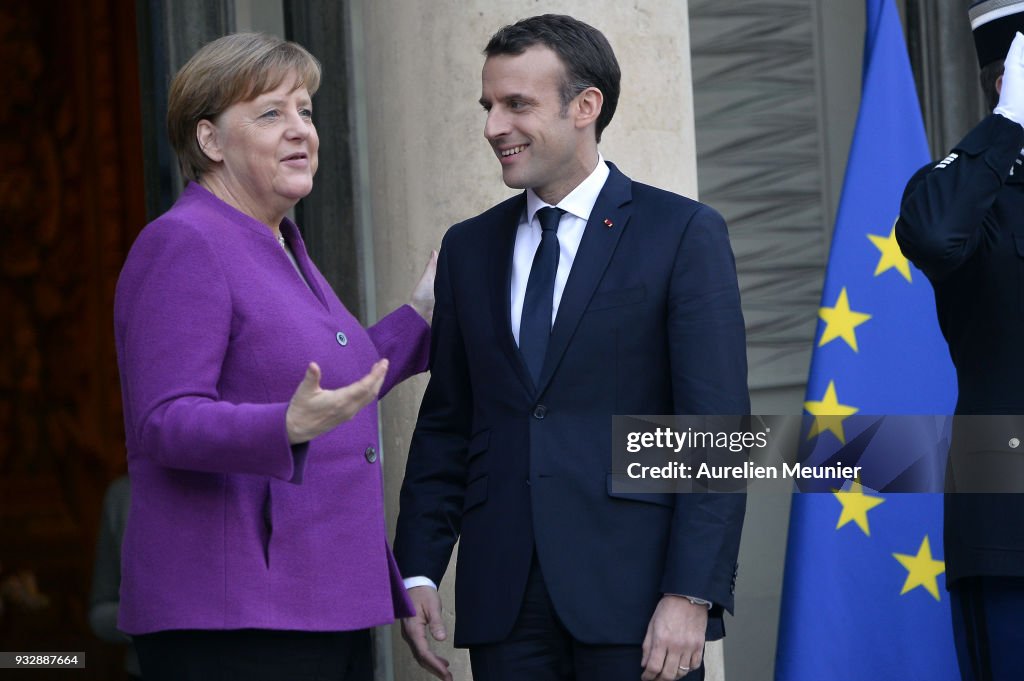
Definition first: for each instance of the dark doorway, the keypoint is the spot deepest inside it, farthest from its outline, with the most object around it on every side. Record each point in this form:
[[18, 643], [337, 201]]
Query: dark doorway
[[71, 197]]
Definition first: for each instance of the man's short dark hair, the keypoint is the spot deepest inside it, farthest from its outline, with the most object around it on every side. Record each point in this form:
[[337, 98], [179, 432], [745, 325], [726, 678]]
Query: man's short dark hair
[[989, 75], [588, 58]]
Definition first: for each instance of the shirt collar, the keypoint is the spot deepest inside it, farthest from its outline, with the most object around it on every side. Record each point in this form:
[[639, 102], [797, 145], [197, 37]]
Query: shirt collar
[[580, 201]]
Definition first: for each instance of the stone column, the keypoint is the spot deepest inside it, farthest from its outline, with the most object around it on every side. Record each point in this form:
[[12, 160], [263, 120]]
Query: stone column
[[169, 33], [329, 217], [429, 166], [946, 70]]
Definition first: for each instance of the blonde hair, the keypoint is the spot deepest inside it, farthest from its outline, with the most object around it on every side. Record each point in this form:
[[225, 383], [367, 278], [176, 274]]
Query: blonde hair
[[236, 68]]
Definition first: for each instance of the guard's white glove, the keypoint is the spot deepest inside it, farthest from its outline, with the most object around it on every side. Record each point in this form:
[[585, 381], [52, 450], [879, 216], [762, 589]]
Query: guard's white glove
[[1011, 96]]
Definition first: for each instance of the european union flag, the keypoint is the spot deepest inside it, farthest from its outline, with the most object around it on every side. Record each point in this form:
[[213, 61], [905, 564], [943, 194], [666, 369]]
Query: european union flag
[[864, 593]]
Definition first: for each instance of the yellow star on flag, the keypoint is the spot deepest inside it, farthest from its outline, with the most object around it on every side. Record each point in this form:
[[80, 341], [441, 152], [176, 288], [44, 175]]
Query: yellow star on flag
[[892, 257], [829, 414], [856, 505], [922, 569], [840, 321]]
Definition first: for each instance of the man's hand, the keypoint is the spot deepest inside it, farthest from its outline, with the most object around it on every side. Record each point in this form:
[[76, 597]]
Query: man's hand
[[1011, 93], [674, 644], [427, 603]]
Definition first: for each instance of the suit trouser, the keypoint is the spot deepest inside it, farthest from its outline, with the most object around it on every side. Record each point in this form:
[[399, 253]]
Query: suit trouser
[[988, 627], [540, 648]]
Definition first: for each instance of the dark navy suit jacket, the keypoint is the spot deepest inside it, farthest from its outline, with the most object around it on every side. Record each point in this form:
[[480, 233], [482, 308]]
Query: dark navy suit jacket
[[649, 323]]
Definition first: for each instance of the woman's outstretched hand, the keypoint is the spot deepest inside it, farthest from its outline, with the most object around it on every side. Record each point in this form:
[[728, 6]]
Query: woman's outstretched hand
[[313, 410]]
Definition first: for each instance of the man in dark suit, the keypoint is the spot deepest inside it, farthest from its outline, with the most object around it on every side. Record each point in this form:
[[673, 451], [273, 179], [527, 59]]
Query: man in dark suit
[[585, 296], [962, 224]]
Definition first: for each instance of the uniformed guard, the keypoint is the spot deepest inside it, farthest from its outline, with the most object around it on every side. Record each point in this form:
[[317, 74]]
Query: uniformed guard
[[962, 224]]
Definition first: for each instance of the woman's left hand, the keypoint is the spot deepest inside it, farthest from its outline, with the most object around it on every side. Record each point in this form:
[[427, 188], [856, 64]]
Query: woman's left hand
[[422, 299], [313, 410]]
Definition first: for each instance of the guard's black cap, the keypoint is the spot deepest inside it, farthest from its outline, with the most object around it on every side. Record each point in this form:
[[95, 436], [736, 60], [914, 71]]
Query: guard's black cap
[[994, 23]]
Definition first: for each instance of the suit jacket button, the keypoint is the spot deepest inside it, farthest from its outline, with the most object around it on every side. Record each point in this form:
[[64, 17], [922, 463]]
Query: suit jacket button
[[540, 411], [370, 454], [342, 338]]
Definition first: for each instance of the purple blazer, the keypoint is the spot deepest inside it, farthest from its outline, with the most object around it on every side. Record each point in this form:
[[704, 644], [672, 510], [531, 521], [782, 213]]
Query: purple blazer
[[230, 526]]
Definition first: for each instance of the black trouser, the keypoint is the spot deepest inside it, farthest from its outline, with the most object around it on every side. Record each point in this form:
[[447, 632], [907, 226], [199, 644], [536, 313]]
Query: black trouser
[[255, 655], [988, 627], [539, 648]]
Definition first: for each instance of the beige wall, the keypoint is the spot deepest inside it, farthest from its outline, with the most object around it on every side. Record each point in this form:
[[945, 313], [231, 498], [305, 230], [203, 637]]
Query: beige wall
[[429, 166]]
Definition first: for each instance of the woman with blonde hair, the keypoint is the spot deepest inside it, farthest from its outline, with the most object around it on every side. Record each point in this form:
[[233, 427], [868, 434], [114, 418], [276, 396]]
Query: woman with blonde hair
[[255, 546]]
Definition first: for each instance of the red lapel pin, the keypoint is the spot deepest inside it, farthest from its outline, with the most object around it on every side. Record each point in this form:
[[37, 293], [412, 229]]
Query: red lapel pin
[[608, 223]]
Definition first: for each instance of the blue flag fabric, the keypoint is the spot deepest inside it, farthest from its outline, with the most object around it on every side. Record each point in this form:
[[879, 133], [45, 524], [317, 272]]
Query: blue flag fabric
[[864, 590]]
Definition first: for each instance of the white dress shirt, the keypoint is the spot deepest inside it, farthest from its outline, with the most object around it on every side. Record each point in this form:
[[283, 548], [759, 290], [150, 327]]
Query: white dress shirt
[[577, 206]]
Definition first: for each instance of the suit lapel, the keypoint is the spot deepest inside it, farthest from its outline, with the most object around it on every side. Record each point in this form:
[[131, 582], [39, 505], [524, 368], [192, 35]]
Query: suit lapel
[[500, 285], [592, 258]]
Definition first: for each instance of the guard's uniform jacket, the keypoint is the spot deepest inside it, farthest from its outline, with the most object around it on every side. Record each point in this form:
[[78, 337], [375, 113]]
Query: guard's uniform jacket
[[962, 224]]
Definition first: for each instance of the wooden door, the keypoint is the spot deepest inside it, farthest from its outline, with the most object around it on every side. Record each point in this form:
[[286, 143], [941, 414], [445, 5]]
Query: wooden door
[[71, 202]]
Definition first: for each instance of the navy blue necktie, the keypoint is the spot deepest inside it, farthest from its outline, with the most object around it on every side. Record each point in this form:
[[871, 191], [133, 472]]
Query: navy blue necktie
[[535, 324]]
